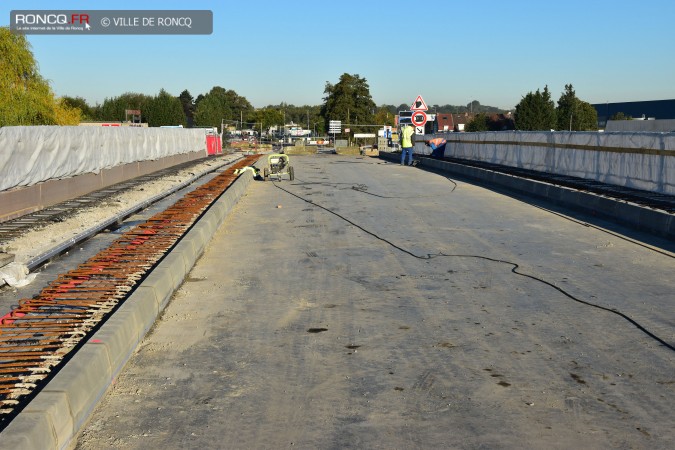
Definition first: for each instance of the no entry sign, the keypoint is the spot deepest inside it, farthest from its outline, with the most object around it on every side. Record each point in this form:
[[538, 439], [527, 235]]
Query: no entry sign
[[419, 118]]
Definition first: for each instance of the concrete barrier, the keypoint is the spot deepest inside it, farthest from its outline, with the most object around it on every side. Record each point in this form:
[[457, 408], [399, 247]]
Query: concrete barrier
[[634, 216], [24, 200], [644, 161], [55, 416]]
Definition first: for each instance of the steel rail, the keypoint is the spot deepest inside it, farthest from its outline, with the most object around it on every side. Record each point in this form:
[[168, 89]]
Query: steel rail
[[38, 335], [37, 261]]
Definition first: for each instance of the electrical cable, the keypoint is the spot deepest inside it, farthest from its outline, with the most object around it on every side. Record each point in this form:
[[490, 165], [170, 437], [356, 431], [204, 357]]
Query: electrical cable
[[514, 269], [584, 224], [611, 233]]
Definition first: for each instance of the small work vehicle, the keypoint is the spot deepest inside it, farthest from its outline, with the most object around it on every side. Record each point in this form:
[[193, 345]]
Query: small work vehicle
[[278, 166]]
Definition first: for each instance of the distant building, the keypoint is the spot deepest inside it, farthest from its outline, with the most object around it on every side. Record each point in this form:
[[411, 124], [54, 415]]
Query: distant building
[[654, 109], [658, 126], [113, 124], [457, 122], [452, 122]]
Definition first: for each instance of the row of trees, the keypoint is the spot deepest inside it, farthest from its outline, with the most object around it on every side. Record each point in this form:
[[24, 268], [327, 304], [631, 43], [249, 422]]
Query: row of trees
[[27, 99], [536, 111]]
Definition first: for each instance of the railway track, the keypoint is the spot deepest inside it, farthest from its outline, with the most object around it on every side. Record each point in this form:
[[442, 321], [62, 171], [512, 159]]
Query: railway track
[[40, 333], [10, 229]]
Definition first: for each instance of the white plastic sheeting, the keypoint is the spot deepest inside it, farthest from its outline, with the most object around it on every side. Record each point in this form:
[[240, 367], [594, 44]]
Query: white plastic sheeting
[[29, 155], [624, 159]]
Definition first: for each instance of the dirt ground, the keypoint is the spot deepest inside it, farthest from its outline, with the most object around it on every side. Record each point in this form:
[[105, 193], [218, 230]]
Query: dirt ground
[[372, 305]]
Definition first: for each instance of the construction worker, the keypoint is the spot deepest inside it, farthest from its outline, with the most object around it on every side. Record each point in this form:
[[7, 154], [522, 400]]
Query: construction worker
[[406, 144], [437, 147]]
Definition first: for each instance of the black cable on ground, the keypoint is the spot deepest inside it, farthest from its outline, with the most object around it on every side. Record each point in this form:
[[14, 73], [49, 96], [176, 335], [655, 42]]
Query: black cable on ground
[[514, 269], [579, 222], [595, 227]]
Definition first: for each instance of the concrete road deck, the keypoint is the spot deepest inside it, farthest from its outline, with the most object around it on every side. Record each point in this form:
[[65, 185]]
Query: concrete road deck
[[370, 305]]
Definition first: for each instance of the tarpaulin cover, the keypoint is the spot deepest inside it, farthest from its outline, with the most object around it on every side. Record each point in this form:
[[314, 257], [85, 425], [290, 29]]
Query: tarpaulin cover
[[624, 159], [29, 155]]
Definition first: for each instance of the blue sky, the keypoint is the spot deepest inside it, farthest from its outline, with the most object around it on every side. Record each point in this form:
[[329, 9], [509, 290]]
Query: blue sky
[[448, 51]]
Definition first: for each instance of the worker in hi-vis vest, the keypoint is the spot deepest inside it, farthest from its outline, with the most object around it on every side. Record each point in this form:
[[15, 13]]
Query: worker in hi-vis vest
[[406, 144]]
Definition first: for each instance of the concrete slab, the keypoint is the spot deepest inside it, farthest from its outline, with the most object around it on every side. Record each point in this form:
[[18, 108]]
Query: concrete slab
[[628, 214], [385, 307], [55, 406], [30, 431], [199, 238], [176, 264], [120, 335], [83, 380], [161, 280], [145, 302], [208, 225]]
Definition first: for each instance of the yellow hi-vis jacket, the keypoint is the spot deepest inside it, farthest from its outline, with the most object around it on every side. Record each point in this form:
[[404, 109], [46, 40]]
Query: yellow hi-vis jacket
[[406, 136]]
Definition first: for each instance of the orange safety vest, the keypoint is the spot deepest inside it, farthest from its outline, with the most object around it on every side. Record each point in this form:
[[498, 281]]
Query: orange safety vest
[[437, 142]]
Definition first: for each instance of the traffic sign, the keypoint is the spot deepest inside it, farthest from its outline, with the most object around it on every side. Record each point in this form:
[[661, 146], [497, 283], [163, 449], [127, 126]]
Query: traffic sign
[[419, 104], [419, 130], [419, 118], [335, 126], [404, 117]]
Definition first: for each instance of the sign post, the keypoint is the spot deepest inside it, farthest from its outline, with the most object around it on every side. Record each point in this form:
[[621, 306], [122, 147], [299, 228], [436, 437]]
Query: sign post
[[419, 104], [419, 116], [419, 119], [334, 126]]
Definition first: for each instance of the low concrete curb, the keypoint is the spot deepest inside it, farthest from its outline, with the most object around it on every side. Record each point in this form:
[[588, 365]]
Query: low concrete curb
[[628, 214], [55, 416]]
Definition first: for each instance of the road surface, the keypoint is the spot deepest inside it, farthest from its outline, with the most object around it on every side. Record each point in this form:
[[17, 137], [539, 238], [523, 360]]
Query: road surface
[[371, 305]]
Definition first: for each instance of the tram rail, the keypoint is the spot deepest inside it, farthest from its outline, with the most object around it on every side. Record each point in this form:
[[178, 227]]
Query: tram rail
[[40, 334]]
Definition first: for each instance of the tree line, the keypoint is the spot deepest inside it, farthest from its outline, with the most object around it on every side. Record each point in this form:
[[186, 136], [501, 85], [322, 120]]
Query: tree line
[[536, 111], [27, 99]]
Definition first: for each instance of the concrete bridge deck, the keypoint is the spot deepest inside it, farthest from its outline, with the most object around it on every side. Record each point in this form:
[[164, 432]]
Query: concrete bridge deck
[[370, 305]]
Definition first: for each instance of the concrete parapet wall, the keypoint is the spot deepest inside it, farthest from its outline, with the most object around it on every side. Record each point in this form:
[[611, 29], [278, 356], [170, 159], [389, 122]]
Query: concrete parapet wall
[[638, 160], [23, 200], [30, 155]]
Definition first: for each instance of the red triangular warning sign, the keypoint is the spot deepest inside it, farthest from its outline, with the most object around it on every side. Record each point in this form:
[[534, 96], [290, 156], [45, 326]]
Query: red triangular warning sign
[[418, 104]]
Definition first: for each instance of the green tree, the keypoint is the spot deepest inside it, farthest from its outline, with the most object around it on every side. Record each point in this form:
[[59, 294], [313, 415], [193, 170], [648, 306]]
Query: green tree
[[588, 117], [536, 111], [574, 114], [349, 101], [268, 116], [220, 104], [80, 103], [114, 108], [480, 122], [474, 106], [384, 116], [164, 109], [25, 97], [188, 104], [620, 116]]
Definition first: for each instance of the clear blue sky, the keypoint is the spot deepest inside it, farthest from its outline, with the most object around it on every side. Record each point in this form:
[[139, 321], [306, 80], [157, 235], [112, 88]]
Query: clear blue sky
[[448, 51]]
